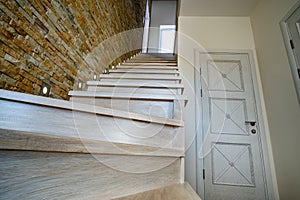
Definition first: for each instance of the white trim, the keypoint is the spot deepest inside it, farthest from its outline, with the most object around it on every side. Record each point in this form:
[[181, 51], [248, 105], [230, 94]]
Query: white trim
[[268, 161], [182, 170], [291, 57]]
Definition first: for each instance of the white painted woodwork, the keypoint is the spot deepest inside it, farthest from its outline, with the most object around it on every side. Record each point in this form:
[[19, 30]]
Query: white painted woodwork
[[173, 192], [45, 175], [231, 150]]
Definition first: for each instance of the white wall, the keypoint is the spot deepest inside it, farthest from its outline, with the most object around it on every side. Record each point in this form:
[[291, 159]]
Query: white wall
[[279, 93], [162, 13], [212, 33]]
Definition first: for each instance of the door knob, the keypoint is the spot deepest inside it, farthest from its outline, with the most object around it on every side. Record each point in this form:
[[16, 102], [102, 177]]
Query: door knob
[[252, 123]]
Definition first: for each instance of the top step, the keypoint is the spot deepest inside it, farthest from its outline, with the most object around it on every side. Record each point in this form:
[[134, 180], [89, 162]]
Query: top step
[[163, 56]]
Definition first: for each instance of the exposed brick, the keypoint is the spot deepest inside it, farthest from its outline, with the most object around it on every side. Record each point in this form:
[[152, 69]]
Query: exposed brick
[[60, 42]]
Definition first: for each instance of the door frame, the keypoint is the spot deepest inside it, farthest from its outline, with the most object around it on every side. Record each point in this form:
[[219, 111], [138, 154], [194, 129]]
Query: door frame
[[286, 38], [264, 139]]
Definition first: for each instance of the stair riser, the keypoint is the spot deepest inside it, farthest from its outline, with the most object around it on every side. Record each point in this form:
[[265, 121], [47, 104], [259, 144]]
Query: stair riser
[[151, 61], [159, 108], [61, 122], [36, 175], [135, 90], [149, 64], [141, 67], [118, 80], [139, 70], [142, 73]]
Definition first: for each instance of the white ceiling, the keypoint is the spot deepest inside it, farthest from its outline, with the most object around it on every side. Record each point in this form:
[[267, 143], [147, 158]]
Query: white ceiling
[[217, 7]]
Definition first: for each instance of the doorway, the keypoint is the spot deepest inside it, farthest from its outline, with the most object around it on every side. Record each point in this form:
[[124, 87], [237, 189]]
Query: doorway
[[290, 27], [230, 131]]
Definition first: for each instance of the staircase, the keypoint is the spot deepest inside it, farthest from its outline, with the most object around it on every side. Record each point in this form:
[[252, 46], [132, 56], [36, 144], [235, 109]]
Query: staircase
[[121, 138]]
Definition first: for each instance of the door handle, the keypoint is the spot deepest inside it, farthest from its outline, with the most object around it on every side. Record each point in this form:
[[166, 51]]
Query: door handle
[[252, 123]]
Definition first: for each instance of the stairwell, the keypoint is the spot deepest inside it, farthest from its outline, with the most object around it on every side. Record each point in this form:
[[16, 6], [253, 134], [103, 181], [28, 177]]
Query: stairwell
[[121, 138]]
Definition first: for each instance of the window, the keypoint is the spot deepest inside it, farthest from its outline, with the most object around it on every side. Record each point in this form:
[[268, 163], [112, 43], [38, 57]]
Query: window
[[167, 38]]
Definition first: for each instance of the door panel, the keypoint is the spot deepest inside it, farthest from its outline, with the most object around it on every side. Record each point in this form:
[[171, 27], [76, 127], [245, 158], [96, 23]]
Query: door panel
[[231, 149]]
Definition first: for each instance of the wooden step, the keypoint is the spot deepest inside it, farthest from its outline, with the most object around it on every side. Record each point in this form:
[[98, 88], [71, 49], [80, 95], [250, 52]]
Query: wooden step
[[167, 106], [138, 59], [177, 191], [142, 78], [148, 67], [63, 118], [28, 141], [149, 63], [134, 60], [52, 175], [157, 57], [135, 87], [141, 71]]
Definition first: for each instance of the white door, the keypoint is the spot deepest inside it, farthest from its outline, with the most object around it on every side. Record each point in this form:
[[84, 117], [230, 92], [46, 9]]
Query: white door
[[231, 136]]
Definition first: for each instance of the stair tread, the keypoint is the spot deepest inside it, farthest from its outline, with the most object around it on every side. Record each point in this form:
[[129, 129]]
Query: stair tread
[[141, 71], [44, 101], [130, 76], [135, 84], [126, 95], [147, 67], [175, 191], [149, 63], [22, 140], [134, 60]]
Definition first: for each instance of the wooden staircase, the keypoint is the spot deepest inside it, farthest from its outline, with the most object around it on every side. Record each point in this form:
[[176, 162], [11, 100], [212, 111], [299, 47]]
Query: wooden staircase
[[121, 137]]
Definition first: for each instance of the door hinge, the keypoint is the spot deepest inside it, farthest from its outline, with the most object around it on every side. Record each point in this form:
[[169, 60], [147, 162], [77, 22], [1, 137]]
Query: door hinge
[[201, 93], [203, 174], [292, 44]]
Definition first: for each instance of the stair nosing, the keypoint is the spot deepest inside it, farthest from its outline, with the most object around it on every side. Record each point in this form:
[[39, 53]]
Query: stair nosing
[[126, 95], [134, 84], [116, 76], [62, 104], [142, 72], [147, 67]]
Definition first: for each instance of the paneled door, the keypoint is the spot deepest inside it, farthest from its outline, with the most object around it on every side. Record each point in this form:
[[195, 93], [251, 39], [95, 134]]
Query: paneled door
[[231, 147]]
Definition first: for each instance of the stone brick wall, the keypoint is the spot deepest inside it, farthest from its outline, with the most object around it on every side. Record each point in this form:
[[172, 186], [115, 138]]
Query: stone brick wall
[[62, 42]]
